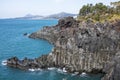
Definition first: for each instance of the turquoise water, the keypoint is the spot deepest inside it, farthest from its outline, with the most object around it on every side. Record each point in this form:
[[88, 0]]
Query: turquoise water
[[13, 43]]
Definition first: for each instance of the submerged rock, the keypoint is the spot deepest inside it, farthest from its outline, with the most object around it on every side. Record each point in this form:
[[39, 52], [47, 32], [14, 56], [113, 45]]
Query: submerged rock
[[25, 34], [78, 47]]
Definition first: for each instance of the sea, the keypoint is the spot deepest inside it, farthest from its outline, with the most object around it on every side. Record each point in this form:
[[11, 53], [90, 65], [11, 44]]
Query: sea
[[14, 43]]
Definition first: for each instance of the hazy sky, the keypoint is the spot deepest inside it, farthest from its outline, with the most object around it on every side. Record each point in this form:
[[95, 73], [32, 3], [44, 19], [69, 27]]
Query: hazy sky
[[15, 8]]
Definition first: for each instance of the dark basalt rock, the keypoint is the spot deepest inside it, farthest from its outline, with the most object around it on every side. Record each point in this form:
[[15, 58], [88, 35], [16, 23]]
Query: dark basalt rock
[[112, 68], [67, 23], [78, 47], [25, 34]]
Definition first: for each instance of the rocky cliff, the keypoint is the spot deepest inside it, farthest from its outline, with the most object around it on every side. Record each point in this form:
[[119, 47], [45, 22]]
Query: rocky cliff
[[112, 68], [87, 46]]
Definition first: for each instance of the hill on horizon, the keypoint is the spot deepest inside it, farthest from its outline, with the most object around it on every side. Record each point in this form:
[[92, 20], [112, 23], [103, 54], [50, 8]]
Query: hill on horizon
[[52, 16]]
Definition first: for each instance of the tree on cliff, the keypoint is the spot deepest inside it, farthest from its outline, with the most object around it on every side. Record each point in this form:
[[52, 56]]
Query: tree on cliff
[[100, 12], [117, 6], [89, 8]]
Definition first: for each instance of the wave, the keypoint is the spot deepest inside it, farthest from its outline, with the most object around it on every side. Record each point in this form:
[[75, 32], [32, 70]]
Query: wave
[[64, 70], [28, 35], [52, 68], [75, 73], [38, 69], [83, 74], [61, 70], [4, 62]]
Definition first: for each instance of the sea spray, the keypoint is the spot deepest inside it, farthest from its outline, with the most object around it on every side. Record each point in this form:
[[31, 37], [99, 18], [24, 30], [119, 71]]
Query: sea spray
[[4, 62], [38, 69], [83, 74], [52, 68]]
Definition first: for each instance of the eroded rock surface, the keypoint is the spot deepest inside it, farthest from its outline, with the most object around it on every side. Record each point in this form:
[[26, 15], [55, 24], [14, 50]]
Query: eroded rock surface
[[78, 47], [113, 68]]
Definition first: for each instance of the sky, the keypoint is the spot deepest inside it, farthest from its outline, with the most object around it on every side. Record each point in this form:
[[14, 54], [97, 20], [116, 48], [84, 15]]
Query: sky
[[18, 8]]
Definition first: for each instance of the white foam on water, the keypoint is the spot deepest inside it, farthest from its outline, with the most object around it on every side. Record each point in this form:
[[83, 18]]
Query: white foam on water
[[28, 35], [39, 69], [61, 70], [32, 70], [75, 73], [83, 74], [51, 68], [4, 62], [64, 70], [64, 79]]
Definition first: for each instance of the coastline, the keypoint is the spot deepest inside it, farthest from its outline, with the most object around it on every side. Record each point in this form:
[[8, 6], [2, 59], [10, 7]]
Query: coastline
[[75, 56]]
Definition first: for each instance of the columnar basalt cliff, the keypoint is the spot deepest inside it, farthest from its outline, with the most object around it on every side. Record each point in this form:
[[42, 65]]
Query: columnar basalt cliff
[[113, 68], [87, 46]]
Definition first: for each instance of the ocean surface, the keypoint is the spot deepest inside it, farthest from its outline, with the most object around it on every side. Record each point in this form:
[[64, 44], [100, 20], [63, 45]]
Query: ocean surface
[[14, 43]]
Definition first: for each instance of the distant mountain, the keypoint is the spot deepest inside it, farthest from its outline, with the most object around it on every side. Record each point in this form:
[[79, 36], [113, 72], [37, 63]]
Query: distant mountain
[[30, 16], [53, 16], [60, 15]]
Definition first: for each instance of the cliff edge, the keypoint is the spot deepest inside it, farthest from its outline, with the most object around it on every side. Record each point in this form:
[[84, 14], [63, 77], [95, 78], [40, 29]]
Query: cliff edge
[[86, 46]]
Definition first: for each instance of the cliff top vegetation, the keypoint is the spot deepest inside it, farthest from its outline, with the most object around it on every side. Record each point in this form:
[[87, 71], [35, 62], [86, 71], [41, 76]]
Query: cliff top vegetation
[[100, 12]]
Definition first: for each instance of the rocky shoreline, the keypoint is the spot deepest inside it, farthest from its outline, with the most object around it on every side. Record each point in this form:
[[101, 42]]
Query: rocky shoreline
[[78, 47]]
